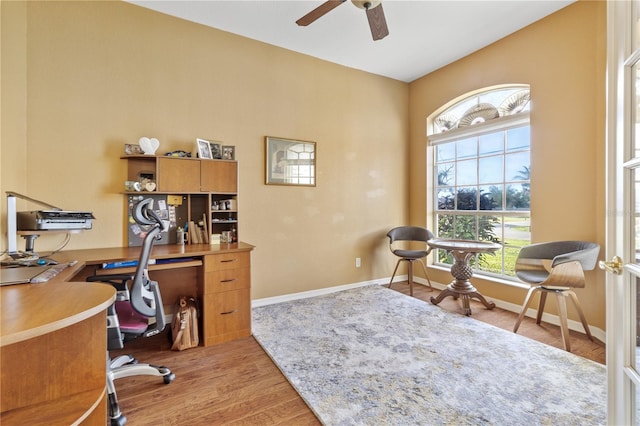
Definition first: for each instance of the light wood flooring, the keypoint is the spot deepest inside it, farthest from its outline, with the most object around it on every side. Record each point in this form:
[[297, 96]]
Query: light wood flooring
[[236, 383]]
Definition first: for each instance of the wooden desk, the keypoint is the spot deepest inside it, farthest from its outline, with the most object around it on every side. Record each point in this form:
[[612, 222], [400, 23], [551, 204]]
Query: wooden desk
[[219, 275], [462, 251], [53, 353], [53, 340]]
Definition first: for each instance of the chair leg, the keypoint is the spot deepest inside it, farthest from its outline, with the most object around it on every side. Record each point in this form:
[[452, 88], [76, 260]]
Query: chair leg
[[410, 277], [562, 312], [583, 319], [426, 274], [143, 370], [543, 300], [122, 360], [394, 272], [116, 418], [527, 301]]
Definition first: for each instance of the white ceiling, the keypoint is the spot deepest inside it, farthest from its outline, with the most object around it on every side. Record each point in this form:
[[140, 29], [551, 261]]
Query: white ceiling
[[423, 35]]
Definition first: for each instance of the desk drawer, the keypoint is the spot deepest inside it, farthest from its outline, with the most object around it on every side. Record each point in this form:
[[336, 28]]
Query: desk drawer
[[228, 316], [219, 262], [226, 280]]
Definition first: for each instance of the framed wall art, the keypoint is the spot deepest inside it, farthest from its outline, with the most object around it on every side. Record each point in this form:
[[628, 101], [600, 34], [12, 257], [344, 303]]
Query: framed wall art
[[290, 162]]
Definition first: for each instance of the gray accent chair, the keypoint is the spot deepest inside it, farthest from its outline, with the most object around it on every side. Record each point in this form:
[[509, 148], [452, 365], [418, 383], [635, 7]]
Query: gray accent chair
[[556, 268], [413, 249]]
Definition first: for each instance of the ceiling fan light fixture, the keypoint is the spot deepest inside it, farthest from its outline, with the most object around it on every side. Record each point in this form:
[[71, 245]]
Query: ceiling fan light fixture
[[373, 9], [366, 4]]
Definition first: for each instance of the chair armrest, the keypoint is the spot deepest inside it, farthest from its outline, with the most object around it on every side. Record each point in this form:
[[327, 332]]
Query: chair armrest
[[160, 322], [586, 257], [568, 274]]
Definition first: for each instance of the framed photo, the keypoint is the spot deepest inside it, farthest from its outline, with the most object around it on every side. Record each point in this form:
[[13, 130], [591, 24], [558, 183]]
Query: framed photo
[[203, 148], [216, 150], [290, 162], [228, 152], [132, 149]]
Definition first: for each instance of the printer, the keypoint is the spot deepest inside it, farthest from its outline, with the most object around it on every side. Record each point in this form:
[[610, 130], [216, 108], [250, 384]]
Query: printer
[[48, 220]]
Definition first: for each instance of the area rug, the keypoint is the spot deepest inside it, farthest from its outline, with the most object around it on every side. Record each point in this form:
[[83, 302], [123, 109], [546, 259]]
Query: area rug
[[373, 356]]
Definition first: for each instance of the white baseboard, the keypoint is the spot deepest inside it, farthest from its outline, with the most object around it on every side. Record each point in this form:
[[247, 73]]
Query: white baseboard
[[598, 333], [312, 293]]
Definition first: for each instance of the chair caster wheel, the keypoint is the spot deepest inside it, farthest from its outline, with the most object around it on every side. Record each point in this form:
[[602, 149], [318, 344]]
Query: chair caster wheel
[[119, 421], [169, 378]]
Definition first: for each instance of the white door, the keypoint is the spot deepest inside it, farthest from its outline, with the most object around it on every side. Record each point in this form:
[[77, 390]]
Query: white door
[[623, 212]]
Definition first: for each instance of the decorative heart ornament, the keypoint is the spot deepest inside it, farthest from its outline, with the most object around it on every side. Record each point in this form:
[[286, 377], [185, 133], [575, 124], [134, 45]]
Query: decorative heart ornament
[[149, 145]]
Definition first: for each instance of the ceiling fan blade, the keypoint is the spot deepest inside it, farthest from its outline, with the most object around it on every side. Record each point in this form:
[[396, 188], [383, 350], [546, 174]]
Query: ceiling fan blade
[[377, 22], [318, 12]]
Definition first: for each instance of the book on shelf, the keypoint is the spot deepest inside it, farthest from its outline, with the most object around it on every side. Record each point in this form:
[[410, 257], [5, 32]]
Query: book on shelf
[[197, 235], [205, 231]]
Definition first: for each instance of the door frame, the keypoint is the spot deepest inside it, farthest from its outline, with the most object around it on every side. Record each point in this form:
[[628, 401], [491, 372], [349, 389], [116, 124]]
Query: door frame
[[618, 313]]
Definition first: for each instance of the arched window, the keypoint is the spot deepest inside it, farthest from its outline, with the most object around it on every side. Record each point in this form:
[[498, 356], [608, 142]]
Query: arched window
[[480, 164]]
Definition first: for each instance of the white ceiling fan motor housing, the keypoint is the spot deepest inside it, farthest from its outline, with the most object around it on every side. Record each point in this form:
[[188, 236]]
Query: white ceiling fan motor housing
[[366, 4]]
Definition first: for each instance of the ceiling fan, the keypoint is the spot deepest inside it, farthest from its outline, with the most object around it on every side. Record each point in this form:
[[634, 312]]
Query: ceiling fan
[[375, 15]]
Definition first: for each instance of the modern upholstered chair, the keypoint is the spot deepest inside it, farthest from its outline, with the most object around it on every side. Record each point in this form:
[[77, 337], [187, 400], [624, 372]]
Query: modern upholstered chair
[[556, 268], [414, 248], [137, 312]]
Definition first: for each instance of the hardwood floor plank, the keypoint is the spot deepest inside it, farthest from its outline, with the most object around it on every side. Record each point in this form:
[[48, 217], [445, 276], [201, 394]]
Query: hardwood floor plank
[[236, 383]]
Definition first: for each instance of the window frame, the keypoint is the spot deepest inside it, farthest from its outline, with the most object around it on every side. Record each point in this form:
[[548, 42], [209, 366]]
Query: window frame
[[499, 124]]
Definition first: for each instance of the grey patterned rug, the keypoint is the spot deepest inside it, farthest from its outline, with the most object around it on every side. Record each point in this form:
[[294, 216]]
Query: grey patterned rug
[[373, 356]]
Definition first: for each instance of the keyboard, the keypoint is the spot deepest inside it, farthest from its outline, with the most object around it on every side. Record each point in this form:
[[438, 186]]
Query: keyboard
[[51, 272]]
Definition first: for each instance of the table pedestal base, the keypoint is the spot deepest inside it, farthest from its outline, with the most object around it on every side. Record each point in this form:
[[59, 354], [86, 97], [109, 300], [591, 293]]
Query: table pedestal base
[[465, 294], [462, 251]]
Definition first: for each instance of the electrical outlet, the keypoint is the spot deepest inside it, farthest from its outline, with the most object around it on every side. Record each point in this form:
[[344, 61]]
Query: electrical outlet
[[358, 262]]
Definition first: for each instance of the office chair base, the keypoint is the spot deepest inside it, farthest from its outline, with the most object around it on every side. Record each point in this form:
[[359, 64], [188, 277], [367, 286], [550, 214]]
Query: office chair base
[[116, 418], [129, 370], [121, 360], [118, 421]]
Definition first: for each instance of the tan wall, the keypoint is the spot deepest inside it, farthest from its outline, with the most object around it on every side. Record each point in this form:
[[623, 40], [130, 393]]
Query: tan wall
[[562, 57], [79, 80]]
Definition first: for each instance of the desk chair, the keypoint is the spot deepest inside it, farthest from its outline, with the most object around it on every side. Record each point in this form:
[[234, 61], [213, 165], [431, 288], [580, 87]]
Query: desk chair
[[413, 235], [556, 268], [137, 312]]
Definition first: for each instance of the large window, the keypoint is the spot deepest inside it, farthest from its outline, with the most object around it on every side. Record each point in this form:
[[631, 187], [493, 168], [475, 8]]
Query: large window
[[481, 164]]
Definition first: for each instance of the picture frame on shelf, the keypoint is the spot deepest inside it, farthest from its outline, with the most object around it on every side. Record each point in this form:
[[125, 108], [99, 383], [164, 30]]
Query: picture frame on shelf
[[290, 162], [132, 149], [204, 149], [228, 152], [216, 150]]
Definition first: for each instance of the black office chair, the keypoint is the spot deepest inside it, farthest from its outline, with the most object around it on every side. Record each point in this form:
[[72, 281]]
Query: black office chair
[[556, 268], [137, 312], [416, 249]]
